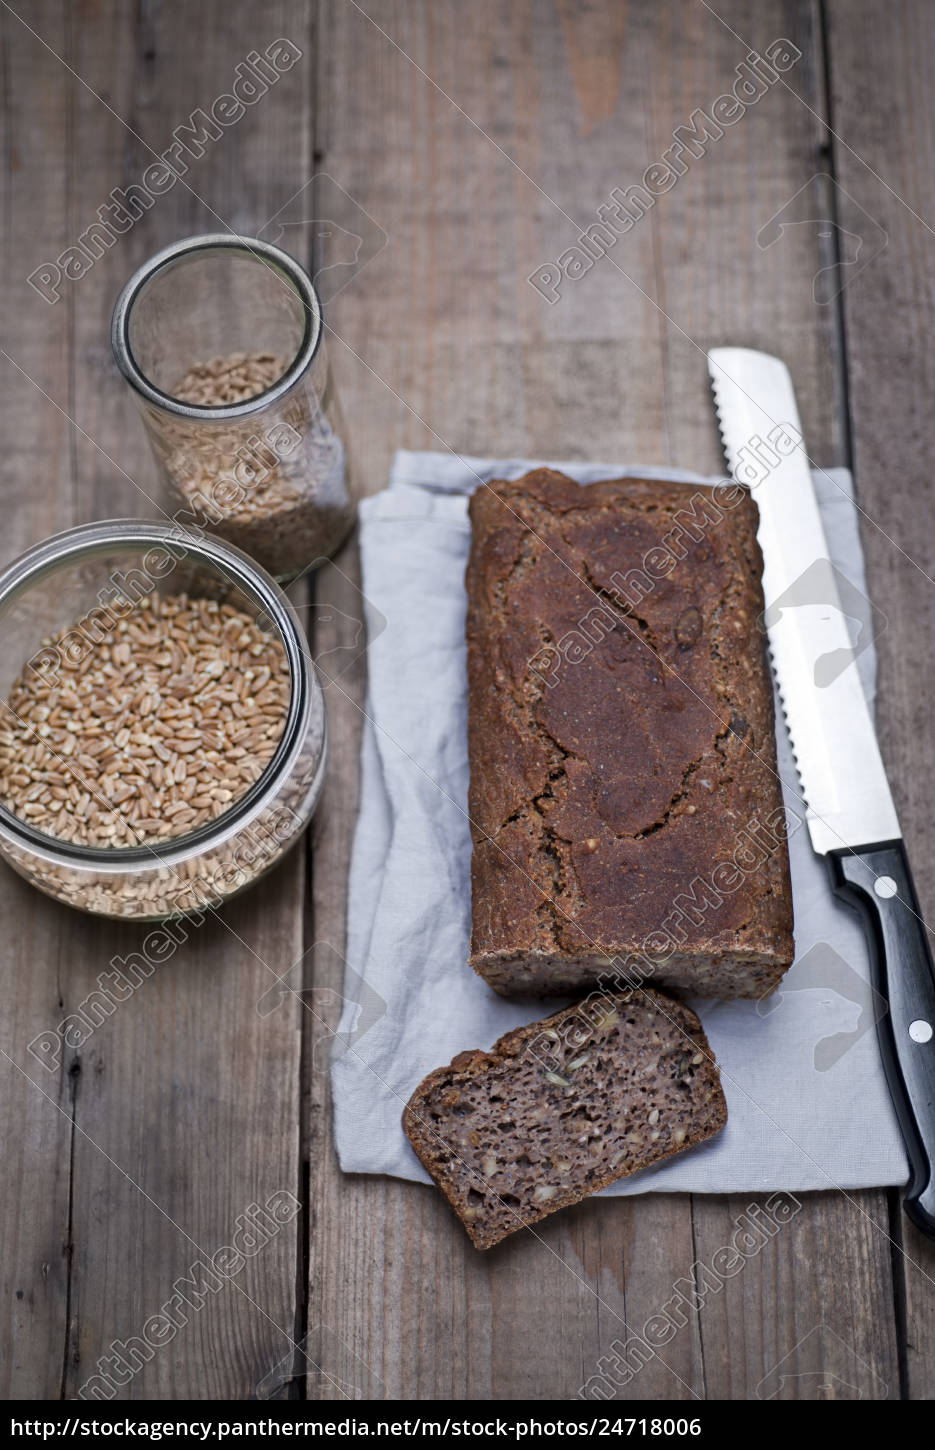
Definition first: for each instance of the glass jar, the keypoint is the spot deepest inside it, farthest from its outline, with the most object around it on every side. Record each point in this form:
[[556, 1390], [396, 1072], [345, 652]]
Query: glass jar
[[94, 575], [221, 339]]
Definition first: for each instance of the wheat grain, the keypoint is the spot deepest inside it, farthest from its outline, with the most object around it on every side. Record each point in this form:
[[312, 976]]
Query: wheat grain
[[160, 723], [287, 504]]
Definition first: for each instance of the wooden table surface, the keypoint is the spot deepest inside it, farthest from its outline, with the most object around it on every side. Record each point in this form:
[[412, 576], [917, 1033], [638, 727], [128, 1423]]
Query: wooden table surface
[[466, 145]]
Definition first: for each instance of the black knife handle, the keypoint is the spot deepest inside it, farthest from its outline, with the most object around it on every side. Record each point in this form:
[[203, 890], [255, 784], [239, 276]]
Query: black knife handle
[[877, 880]]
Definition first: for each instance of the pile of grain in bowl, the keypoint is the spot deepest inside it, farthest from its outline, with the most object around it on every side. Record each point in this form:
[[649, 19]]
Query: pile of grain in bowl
[[273, 484], [150, 729]]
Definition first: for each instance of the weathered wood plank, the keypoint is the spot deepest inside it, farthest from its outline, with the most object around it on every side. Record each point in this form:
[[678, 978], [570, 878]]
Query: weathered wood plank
[[34, 954], [809, 1315], [882, 150], [186, 1097], [583, 101]]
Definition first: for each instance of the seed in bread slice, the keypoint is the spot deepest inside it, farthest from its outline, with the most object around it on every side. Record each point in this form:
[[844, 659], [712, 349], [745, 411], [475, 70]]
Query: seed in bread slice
[[560, 1108]]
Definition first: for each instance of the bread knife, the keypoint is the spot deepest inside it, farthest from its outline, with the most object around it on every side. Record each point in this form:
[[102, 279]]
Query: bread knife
[[849, 809]]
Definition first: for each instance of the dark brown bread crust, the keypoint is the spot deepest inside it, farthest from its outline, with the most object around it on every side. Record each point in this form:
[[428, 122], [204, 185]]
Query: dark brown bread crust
[[622, 748], [558, 1109]]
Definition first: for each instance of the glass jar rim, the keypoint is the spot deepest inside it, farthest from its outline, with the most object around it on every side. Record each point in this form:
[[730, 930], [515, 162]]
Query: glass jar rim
[[251, 248], [71, 545]]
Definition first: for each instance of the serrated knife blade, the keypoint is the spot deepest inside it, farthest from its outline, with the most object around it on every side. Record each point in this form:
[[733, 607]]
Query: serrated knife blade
[[850, 813], [830, 726]]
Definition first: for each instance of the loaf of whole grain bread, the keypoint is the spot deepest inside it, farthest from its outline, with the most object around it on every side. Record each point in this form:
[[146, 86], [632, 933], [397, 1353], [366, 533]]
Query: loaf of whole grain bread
[[561, 1108], [626, 813]]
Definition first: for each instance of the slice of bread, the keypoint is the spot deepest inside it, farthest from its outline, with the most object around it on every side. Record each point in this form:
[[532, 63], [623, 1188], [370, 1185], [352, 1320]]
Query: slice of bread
[[562, 1107]]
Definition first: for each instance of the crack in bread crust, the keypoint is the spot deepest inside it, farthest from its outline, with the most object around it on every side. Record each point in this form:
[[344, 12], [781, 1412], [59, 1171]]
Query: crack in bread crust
[[602, 789]]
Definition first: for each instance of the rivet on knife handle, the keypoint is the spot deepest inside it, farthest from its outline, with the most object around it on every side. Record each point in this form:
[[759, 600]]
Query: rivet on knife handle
[[879, 883]]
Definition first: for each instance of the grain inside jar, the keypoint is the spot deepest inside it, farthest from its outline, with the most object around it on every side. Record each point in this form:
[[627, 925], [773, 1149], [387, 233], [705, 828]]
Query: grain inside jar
[[143, 731], [273, 485]]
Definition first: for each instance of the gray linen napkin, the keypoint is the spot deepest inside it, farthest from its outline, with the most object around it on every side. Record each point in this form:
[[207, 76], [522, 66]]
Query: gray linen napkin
[[807, 1099]]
